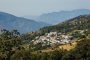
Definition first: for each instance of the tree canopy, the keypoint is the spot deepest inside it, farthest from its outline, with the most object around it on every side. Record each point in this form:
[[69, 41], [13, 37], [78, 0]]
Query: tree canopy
[[7, 41]]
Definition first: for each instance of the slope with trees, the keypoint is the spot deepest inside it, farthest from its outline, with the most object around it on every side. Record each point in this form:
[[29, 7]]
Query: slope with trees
[[81, 22], [80, 52]]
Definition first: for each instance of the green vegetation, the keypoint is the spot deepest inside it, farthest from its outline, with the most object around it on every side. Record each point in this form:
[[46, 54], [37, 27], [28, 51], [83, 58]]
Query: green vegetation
[[32, 52], [76, 35], [38, 46], [80, 52], [7, 41]]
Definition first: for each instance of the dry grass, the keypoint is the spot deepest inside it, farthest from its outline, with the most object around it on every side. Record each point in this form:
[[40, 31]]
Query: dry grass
[[77, 30], [26, 46], [48, 50], [67, 46]]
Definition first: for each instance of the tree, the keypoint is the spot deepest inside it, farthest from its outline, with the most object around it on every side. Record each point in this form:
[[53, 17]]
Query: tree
[[7, 41], [56, 55], [21, 55], [82, 49], [68, 56], [45, 56], [83, 36], [70, 44]]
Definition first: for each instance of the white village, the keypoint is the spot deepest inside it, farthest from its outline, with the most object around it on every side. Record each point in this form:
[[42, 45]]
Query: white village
[[54, 38]]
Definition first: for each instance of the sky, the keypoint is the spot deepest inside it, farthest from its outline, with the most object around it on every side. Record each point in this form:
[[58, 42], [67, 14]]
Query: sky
[[37, 7]]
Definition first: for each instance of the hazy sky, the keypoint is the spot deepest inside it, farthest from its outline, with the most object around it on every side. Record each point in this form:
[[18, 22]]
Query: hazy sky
[[38, 7]]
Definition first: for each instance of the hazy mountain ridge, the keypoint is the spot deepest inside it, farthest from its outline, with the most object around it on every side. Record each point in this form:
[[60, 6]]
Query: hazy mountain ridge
[[31, 17], [58, 17], [26, 25]]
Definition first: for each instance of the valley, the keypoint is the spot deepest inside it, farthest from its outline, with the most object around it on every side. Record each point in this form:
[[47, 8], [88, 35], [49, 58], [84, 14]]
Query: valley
[[44, 30], [67, 37]]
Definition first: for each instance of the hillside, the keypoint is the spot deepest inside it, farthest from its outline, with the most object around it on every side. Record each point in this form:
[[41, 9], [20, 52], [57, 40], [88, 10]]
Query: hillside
[[23, 25], [82, 24], [58, 17], [80, 18], [80, 52], [5, 26]]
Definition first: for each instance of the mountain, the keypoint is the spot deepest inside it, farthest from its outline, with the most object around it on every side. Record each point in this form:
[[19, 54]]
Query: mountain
[[31, 17], [5, 26], [77, 19], [9, 22], [81, 22], [58, 17]]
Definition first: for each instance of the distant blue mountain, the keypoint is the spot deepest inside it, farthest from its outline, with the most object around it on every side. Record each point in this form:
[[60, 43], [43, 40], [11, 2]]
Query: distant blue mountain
[[10, 22], [58, 17]]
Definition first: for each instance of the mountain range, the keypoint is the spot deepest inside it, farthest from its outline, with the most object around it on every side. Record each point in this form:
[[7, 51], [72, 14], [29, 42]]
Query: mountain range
[[10, 22], [58, 17], [25, 25]]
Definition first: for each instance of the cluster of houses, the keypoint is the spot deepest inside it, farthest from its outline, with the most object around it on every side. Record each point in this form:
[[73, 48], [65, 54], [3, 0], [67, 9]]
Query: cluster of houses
[[52, 38]]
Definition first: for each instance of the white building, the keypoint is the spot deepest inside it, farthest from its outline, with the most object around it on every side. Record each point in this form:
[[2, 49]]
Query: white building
[[55, 33]]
